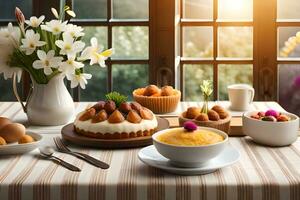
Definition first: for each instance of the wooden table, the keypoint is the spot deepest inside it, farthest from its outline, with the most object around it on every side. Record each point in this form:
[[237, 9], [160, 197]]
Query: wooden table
[[261, 173]]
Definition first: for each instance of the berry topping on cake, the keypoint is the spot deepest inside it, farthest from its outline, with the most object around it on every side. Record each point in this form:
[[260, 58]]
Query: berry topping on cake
[[99, 106], [116, 117], [136, 106], [125, 107], [88, 114], [110, 106], [146, 114], [133, 117], [100, 116]]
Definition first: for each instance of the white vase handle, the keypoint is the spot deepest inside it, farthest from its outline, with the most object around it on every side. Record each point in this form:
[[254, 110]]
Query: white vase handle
[[15, 90]]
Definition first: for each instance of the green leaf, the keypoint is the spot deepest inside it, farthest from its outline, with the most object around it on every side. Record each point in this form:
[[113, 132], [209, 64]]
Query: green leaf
[[116, 97]]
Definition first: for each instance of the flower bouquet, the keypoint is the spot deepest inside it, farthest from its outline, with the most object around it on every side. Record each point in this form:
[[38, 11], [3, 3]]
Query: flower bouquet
[[48, 51]]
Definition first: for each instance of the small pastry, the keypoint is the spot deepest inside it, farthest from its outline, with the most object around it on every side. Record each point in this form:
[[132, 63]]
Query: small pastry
[[100, 116], [150, 90], [213, 115], [133, 117], [110, 106], [202, 117], [25, 139], [255, 116], [116, 117], [88, 114], [167, 91], [2, 141], [193, 112]]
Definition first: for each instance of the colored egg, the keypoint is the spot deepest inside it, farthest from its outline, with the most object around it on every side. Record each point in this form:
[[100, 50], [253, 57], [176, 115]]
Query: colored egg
[[12, 132], [4, 121]]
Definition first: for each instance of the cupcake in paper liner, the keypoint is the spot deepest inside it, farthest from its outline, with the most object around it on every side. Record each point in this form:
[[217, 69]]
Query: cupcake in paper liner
[[159, 100]]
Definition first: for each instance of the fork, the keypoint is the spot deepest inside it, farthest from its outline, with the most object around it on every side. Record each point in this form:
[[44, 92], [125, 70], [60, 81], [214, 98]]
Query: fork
[[61, 147]]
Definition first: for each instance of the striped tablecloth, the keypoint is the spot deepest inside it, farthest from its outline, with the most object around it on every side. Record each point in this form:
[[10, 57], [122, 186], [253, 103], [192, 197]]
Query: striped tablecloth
[[261, 173]]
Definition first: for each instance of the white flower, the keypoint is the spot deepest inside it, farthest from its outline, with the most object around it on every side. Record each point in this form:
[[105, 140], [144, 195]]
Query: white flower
[[47, 61], [9, 71], [9, 35], [55, 26], [68, 45], [34, 21], [69, 66], [80, 79], [71, 13], [95, 54], [74, 30], [55, 13], [31, 42]]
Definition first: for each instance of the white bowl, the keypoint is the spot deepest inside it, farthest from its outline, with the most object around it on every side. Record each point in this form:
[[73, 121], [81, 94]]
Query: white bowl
[[190, 156], [271, 133], [15, 148]]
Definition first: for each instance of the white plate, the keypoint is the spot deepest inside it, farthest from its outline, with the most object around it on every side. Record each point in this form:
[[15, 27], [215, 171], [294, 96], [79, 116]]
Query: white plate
[[16, 148], [150, 156]]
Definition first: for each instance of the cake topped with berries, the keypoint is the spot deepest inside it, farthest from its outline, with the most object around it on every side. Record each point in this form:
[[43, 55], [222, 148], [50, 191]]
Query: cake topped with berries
[[115, 118]]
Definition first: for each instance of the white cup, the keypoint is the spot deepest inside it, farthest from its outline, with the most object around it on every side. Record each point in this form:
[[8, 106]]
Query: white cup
[[240, 96]]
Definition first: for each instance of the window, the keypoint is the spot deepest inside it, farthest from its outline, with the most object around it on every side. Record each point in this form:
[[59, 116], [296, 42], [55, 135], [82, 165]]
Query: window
[[288, 54], [124, 26], [226, 41], [216, 44]]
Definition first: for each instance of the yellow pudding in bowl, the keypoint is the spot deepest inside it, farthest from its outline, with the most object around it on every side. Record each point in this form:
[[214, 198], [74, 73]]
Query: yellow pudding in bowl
[[190, 148], [199, 137]]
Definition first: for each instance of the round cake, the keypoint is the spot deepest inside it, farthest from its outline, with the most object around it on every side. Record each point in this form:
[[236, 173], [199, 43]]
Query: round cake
[[108, 120]]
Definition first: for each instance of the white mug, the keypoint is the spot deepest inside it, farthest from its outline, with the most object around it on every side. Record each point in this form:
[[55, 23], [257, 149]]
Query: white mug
[[240, 96]]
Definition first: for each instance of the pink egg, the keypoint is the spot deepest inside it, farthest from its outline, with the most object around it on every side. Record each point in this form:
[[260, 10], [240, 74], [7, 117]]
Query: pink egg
[[272, 112]]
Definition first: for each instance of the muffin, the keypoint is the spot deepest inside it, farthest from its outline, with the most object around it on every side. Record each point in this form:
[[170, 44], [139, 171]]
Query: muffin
[[216, 117], [159, 100]]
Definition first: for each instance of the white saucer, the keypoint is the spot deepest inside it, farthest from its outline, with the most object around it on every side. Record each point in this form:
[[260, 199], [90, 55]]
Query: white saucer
[[150, 156]]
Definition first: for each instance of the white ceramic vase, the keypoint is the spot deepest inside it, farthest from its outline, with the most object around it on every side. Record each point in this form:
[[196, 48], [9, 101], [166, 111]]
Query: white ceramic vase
[[49, 104]]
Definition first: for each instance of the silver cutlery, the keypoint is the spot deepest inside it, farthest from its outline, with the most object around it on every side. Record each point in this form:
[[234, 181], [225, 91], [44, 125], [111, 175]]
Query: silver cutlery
[[61, 147], [47, 152]]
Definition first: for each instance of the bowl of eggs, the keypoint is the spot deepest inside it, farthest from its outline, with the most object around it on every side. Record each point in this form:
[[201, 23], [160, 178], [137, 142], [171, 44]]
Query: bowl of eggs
[[271, 127], [14, 139]]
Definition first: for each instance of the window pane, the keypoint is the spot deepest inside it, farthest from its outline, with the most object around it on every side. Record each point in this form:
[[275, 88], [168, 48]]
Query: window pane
[[197, 42], [235, 42], [8, 8], [99, 32], [126, 78], [288, 9], [128, 9], [130, 42], [198, 9], [288, 44], [193, 77], [90, 9], [6, 89], [289, 87], [235, 10], [97, 85], [231, 74]]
